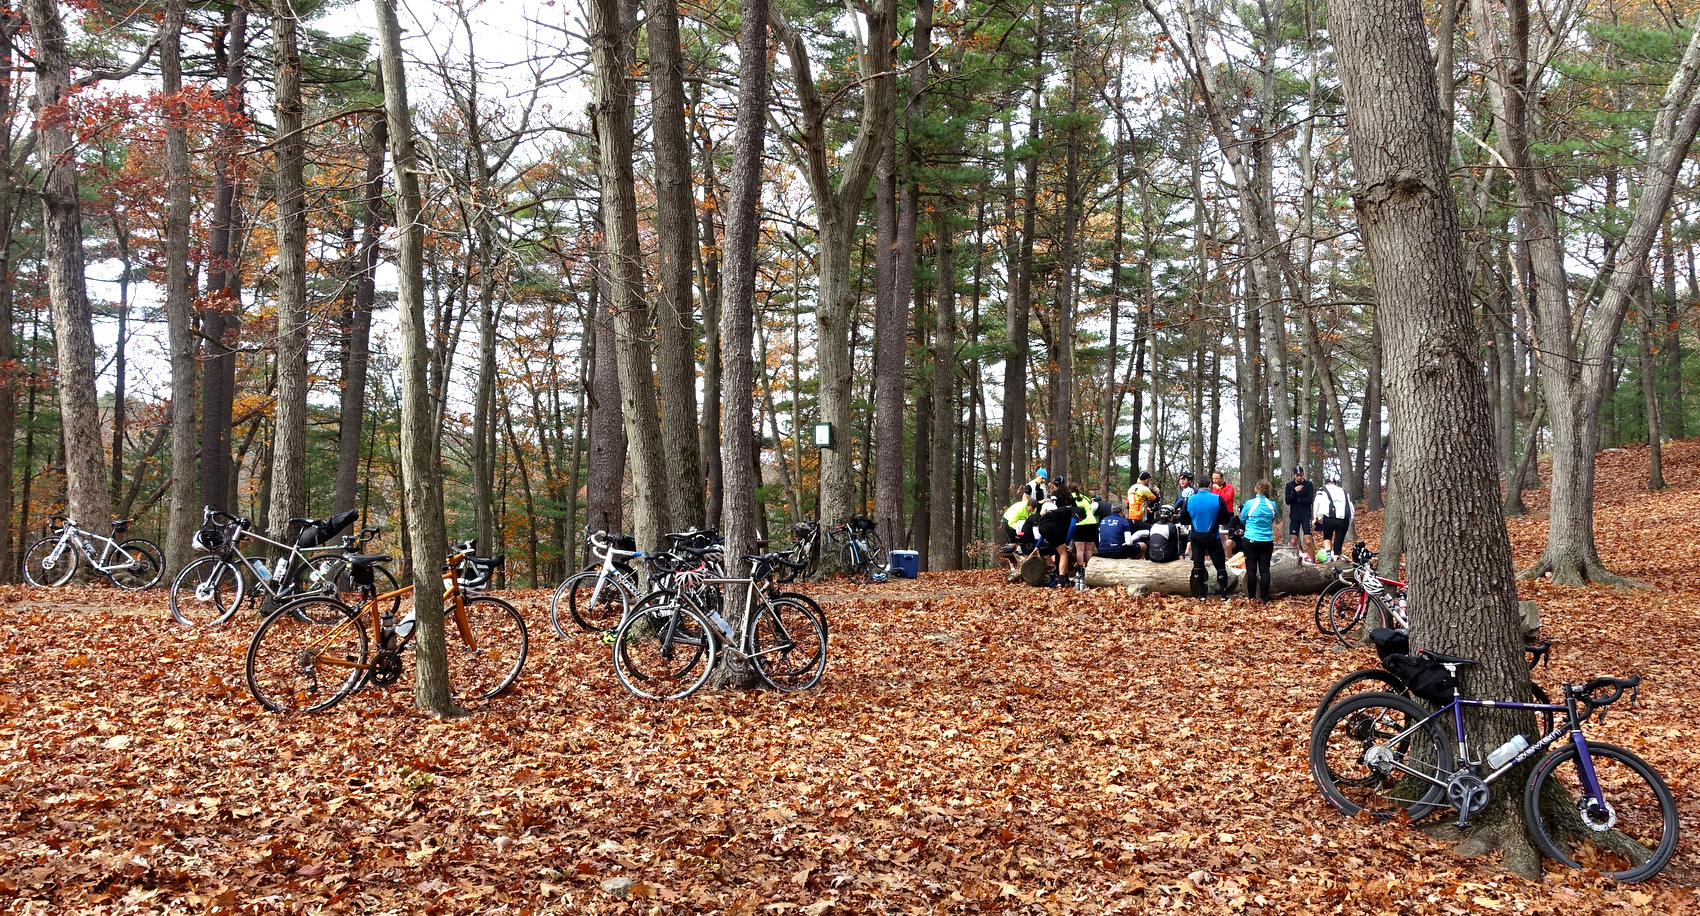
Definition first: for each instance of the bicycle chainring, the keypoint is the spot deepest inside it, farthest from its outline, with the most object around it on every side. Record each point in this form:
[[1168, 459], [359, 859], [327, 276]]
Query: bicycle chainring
[[1468, 793], [385, 670]]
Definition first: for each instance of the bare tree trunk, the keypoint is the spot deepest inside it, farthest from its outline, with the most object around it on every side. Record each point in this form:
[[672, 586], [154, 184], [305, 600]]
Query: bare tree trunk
[[709, 250], [743, 226], [837, 204], [12, 375], [289, 438], [421, 478], [353, 416], [86, 496], [602, 498], [675, 232], [613, 65], [1675, 427], [1650, 392], [942, 527], [891, 332], [219, 318], [1462, 586], [180, 526], [1062, 383]]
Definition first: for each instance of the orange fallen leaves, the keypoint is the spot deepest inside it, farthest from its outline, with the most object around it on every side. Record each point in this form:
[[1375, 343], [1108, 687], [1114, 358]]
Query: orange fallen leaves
[[974, 748]]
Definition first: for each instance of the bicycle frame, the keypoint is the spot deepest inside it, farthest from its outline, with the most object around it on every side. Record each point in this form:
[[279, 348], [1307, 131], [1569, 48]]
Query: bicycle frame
[[75, 537], [723, 625], [373, 604], [1585, 760]]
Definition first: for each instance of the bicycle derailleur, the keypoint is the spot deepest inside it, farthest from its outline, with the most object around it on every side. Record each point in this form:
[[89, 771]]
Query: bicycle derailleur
[[385, 670], [1469, 794]]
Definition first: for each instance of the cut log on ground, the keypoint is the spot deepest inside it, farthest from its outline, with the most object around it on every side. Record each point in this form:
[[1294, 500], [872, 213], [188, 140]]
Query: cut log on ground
[[1141, 577]]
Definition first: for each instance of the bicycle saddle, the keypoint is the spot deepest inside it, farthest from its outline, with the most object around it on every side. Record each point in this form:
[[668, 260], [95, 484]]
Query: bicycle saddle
[[303, 521], [1445, 659], [364, 559], [121, 524]]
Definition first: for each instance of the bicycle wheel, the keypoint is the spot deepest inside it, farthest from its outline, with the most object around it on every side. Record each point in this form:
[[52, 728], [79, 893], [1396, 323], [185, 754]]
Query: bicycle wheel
[[1322, 606], [206, 592], [1631, 837], [486, 656], [852, 562], [1361, 681], [143, 569], [789, 645], [814, 606], [297, 664], [40, 568], [665, 649], [1357, 750], [1346, 611], [605, 613]]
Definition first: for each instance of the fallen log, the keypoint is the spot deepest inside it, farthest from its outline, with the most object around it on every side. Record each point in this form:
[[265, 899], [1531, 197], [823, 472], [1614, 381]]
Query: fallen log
[[1143, 577]]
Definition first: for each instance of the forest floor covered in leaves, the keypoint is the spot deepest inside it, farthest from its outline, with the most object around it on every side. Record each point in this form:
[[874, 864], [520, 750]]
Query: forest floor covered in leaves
[[973, 748]]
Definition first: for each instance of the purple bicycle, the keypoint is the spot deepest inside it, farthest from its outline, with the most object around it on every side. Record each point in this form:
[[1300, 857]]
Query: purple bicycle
[[1588, 804]]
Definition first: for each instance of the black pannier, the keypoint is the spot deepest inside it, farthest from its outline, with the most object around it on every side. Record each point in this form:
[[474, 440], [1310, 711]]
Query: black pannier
[[321, 533], [1427, 679], [1388, 641]]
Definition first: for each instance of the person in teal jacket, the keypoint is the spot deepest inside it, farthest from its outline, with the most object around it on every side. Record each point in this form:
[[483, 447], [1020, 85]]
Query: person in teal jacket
[[1258, 515]]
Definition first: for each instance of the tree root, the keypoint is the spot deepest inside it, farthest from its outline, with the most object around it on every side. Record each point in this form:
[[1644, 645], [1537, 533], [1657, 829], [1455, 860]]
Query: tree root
[[1579, 573], [1521, 857]]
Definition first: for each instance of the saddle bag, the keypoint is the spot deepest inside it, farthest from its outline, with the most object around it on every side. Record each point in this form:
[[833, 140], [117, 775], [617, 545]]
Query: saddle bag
[[1428, 680]]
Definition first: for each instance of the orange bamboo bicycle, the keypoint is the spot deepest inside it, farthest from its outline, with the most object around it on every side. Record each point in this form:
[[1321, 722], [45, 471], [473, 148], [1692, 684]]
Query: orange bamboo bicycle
[[312, 652]]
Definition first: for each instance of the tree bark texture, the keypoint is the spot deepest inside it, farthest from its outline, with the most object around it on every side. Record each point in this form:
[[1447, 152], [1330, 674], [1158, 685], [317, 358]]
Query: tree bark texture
[[675, 235], [837, 205], [1462, 588], [943, 529], [743, 228], [289, 440], [180, 527], [86, 496], [422, 479], [612, 66], [219, 319]]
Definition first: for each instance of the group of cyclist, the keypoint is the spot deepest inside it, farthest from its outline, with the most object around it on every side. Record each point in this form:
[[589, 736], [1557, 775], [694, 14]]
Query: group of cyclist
[[1055, 519]]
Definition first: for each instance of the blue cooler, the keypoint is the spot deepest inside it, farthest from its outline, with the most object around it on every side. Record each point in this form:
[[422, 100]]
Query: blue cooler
[[905, 563]]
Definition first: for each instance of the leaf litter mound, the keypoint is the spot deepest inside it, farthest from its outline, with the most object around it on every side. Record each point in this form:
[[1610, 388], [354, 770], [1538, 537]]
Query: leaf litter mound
[[975, 747]]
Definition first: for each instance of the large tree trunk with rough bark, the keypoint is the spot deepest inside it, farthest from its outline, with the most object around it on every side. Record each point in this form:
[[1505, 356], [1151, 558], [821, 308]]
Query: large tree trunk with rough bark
[[219, 319], [422, 480], [1462, 588], [289, 439], [180, 526], [612, 67], [743, 228], [86, 497], [675, 236], [943, 529]]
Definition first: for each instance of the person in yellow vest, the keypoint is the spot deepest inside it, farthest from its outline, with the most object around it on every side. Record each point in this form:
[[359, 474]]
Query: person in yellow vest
[[1085, 530], [1018, 533]]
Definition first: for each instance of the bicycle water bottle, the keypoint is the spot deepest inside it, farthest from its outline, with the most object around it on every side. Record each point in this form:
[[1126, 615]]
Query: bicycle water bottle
[[282, 567], [719, 621], [1507, 752], [260, 569]]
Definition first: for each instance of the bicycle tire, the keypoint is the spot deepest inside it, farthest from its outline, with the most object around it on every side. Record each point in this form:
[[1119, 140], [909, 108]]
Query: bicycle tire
[[665, 649], [812, 603], [145, 569], [1347, 611], [1343, 687], [851, 561], [49, 577], [790, 645], [1582, 845], [207, 592], [606, 615], [499, 633], [282, 668], [1359, 726], [1322, 605]]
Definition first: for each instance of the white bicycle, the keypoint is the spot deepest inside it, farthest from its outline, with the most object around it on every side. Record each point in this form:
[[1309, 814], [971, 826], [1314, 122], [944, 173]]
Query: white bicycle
[[133, 563]]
